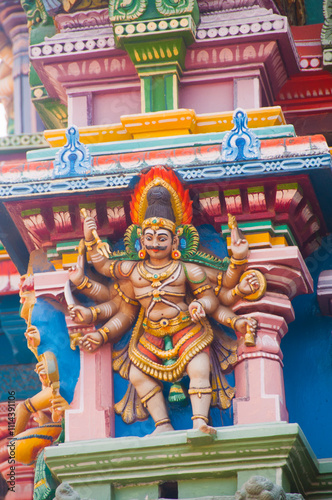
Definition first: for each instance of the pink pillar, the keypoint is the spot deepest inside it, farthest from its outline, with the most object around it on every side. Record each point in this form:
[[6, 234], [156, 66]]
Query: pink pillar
[[260, 393], [91, 414]]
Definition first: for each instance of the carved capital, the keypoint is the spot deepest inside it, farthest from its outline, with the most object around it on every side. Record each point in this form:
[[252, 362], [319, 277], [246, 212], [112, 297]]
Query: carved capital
[[127, 10], [175, 7]]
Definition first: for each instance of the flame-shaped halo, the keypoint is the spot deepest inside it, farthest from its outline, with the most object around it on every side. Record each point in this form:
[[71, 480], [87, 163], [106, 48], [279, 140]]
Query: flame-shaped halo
[[161, 176]]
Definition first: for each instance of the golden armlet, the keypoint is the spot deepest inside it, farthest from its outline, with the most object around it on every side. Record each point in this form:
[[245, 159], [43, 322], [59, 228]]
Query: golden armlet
[[112, 265], [124, 296], [201, 289]]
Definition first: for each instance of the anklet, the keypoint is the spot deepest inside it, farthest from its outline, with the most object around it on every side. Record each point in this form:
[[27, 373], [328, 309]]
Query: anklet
[[162, 422], [202, 417]]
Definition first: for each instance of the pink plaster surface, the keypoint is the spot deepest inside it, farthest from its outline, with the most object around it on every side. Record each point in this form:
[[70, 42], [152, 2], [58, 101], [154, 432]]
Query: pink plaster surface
[[109, 106], [274, 303], [91, 415], [284, 269], [260, 394], [50, 283], [218, 96]]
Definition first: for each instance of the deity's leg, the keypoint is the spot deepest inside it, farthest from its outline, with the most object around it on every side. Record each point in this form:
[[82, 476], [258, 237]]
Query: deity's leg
[[198, 370], [151, 395], [23, 412]]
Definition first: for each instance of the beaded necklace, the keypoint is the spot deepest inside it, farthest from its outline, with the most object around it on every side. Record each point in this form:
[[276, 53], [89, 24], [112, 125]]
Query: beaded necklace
[[156, 278]]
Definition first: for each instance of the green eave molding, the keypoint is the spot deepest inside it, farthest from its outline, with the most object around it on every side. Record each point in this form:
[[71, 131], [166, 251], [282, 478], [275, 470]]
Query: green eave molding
[[202, 465]]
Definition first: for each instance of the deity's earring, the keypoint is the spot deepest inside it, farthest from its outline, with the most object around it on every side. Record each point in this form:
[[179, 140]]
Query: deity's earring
[[142, 254], [176, 254]]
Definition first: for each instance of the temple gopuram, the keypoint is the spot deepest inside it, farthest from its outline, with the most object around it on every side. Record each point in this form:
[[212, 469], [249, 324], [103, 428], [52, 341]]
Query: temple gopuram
[[166, 250]]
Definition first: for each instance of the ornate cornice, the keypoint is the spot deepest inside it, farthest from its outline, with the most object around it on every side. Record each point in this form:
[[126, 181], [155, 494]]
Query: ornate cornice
[[83, 20], [228, 5], [193, 164], [95, 42], [210, 28]]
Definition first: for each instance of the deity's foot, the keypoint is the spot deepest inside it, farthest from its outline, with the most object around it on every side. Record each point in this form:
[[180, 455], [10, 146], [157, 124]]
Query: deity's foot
[[201, 424], [167, 427], [22, 417], [207, 429]]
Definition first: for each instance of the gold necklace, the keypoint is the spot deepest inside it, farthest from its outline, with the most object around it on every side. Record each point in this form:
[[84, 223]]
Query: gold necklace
[[156, 278], [158, 267]]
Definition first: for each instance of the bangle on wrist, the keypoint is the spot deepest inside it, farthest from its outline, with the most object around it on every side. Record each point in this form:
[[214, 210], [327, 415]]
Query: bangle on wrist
[[90, 244], [237, 291], [200, 303], [84, 284], [231, 321], [103, 332], [95, 311], [237, 262]]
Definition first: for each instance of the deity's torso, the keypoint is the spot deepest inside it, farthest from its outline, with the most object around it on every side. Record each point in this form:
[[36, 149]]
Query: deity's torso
[[161, 291]]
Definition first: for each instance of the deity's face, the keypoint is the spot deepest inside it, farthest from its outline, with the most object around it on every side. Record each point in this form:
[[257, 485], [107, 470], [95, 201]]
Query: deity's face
[[158, 243]]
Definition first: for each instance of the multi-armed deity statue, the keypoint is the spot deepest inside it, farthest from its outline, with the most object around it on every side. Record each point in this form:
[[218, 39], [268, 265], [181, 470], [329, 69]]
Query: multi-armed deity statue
[[167, 287], [164, 286]]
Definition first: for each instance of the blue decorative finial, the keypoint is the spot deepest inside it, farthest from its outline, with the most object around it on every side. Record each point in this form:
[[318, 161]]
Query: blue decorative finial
[[74, 158], [240, 143]]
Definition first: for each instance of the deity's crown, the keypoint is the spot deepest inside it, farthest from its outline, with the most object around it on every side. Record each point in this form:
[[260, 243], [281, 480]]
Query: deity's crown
[[180, 206], [159, 223]]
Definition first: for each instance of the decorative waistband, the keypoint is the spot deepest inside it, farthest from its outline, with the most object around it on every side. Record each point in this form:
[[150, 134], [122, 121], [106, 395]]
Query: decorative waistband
[[166, 326]]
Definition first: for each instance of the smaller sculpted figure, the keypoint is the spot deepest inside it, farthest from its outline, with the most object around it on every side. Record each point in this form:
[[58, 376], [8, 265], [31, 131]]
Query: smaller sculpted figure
[[168, 288], [260, 488], [57, 364]]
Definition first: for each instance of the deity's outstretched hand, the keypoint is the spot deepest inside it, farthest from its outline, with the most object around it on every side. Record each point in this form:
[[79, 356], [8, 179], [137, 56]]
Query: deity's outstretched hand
[[196, 311], [41, 372], [239, 245], [91, 342], [89, 226], [81, 314], [246, 325], [32, 335], [249, 284], [76, 272]]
